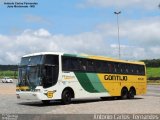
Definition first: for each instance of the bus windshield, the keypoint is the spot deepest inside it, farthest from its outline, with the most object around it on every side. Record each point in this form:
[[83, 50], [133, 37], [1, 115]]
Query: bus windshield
[[32, 60], [29, 76], [38, 71]]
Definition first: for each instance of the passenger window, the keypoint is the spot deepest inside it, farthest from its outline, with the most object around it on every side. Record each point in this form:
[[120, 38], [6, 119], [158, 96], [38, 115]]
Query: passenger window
[[98, 66], [110, 68], [65, 63], [90, 66], [83, 64], [75, 65]]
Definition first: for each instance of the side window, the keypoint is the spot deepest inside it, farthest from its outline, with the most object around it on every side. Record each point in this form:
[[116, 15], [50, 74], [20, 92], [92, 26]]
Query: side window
[[98, 66], [121, 68], [131, 69], [104, 67], [142, 69], [127, 68], [83, 64], [90, 66], [50, 70], [75, 65], [51, 59], [66, 63], [137, 70], [117, 68], [111, 67]]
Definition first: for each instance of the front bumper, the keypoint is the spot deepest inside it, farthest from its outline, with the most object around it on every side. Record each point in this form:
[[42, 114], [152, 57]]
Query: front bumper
[[32, 96], [28, 95]]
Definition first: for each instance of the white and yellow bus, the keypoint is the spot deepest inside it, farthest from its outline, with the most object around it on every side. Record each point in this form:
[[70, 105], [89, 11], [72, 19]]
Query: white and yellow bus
[[50, 76]]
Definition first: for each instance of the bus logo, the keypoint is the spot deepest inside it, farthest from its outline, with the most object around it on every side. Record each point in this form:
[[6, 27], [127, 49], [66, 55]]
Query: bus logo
[[50, 94], [115, 77]]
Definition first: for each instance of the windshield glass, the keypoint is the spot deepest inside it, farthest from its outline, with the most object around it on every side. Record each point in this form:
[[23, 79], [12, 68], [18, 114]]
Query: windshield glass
[[39, 70], [32, 60], [29, 76]]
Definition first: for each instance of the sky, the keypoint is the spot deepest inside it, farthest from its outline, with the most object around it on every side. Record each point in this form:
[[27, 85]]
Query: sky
[[81, 27]]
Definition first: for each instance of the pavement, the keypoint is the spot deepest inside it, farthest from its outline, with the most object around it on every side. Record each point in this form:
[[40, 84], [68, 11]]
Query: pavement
[[149, 103]]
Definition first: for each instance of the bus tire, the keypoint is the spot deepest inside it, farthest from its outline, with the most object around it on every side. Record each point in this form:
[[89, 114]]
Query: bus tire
[[124, 93], [66, 97], [131, 93], [46, 102]]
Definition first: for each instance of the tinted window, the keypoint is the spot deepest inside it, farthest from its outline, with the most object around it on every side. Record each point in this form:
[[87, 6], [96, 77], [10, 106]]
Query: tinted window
[[105, 67], [65, 63], [90, 65], [99, 66], [116, 68], [74, 64], [51, 59], [83, 64]]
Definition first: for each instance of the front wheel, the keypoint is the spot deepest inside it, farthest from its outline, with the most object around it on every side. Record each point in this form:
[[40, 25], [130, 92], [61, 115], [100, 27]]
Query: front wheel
[[66, 97]]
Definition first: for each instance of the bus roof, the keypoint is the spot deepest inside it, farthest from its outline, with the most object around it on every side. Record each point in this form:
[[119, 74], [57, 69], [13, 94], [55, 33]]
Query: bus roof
[[85, 56], [44, 53]]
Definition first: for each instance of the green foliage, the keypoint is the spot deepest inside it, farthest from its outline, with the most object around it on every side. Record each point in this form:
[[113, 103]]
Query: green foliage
[[153, 73], [9, 73], [152, 63]]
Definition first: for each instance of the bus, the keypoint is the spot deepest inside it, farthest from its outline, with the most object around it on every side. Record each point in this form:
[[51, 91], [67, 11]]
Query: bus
[[48, 76]]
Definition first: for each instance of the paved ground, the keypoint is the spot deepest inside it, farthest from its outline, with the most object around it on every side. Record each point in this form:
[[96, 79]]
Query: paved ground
[[149, 103]]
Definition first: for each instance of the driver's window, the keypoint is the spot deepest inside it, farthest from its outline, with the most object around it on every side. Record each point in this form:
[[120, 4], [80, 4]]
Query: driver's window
[[50, 70], [51, 60]]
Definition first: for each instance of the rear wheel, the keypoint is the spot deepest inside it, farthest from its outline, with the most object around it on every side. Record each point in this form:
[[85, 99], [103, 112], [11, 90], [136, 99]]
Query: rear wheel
[[131, 93], [45, 102], [66, 97], [124, 93]]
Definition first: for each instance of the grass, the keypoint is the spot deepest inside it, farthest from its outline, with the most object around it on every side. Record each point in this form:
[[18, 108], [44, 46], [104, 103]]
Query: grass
[[153, 72], [8, 73]]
